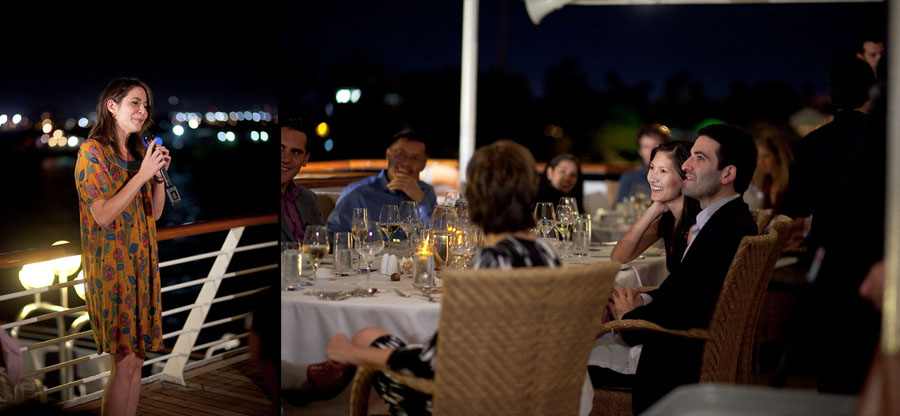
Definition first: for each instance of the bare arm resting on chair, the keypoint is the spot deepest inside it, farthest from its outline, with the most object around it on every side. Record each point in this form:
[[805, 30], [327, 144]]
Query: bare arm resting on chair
[[344, 351]]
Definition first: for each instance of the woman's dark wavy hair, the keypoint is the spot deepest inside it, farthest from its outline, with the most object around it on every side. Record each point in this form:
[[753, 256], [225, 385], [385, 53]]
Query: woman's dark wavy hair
[[502, 185], [105, 130], [679, 151]]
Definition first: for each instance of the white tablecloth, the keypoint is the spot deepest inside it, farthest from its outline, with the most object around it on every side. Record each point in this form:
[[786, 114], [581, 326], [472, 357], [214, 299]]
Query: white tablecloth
[[308, 323]]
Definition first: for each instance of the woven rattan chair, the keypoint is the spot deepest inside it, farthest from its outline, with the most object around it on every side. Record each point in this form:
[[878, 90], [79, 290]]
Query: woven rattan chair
[[751, 268], [781, 227], [512, 342], [762, 217]]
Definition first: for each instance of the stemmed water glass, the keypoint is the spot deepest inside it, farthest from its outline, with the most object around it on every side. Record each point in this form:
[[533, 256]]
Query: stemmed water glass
[[369, 245], [546, 227], [564, 220], [360, 222], [543, 211], [315, 244], [570, 201], [389, 220], [409, 220]]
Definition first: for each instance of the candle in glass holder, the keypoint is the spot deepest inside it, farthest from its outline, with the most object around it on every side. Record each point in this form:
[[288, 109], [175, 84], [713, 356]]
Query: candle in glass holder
[[423, 266]]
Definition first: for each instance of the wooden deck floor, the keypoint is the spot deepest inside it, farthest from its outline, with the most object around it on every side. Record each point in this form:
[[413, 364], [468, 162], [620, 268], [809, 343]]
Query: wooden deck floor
[[232, 387]]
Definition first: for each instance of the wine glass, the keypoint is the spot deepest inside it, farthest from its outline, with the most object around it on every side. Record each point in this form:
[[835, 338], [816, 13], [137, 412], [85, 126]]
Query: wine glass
[[543, 211], [389, 220], [369, 245], [315, 244], [570, 201], [564, 220], [443, 218], [409, 220], [463, 246], [360, 222], [546, 227]]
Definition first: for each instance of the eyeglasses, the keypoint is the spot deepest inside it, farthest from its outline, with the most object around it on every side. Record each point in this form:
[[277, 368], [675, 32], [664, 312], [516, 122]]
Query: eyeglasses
[[401, 156]]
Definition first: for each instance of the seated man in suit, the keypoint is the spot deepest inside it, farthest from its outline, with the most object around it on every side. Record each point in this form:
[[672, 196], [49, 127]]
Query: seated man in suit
[[399, 182], [298, 204], [718, 172]]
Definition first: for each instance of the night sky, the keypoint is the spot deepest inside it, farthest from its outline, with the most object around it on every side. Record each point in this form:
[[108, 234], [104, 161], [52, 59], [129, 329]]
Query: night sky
[[716, 44], [59, 58]]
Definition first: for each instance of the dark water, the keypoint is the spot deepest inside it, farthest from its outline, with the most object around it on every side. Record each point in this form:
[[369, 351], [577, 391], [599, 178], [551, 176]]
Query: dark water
[[217, 180]]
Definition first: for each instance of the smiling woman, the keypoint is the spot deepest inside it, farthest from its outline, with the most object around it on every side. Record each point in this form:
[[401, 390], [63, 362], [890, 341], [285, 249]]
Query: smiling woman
[[120, 198]]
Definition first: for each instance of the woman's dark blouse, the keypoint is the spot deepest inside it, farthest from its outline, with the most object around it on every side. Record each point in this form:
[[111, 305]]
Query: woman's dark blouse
[[675, 245]]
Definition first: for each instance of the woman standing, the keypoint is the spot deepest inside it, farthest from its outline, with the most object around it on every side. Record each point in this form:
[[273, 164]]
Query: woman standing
[[120, 198]]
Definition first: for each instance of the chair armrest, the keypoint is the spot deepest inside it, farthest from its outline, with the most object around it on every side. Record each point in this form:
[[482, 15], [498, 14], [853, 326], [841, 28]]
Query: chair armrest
[[642, 325], [645, 289]]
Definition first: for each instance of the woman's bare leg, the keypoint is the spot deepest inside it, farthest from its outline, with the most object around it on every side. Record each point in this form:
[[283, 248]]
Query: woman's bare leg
[[135, 391], [117, 396]]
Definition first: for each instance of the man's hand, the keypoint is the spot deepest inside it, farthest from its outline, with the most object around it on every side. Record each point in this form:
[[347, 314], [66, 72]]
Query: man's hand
[[340, 349], [408, 184], [623, 300]]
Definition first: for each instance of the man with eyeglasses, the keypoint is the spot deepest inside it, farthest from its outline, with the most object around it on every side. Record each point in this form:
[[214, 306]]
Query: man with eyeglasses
[[399, 182]]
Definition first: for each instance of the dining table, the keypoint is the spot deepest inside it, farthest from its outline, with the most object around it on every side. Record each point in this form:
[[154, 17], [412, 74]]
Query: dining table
[[312, 315]]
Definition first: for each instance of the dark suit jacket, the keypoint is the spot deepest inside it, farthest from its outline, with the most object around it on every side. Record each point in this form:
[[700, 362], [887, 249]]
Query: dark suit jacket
[[307, 208], [686, 300]]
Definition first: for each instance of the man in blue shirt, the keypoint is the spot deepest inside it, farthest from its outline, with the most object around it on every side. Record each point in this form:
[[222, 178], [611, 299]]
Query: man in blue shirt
[[399, 182]]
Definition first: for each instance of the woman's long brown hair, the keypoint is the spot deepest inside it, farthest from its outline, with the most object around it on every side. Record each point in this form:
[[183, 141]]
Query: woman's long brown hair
[[105, 129]]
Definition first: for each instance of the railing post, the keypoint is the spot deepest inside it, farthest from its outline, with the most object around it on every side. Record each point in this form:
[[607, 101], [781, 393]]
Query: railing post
[[174, 369]]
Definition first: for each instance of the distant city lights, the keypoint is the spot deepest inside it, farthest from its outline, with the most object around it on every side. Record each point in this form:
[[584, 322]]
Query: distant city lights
[[342, 96], [254, 135], [73, 141], [46, 126], [178, 130], [210, 117], [347, 95], [3, 118], [82, 122], [322, 129], [179, 117], [264, 136], [173, 100], [256, 117], [329, 144], [221, 136], [193, 123], [229, 136], [16, 118]]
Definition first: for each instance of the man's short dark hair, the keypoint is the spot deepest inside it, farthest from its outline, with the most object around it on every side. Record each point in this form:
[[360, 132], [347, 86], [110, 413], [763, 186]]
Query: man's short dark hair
[[868, 36], [501, 188], [296, 123], [406, 134], [655, 130], [849, 81], [736, 147]]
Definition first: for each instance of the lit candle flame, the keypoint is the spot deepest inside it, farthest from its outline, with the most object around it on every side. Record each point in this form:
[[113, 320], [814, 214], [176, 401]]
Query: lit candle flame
[[425, 245]]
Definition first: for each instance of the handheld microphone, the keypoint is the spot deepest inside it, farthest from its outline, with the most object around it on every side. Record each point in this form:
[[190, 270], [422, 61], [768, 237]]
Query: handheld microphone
[[171, 190]]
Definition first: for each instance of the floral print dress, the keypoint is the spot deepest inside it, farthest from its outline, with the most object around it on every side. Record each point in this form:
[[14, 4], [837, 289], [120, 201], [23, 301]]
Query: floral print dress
[[121, 266]]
